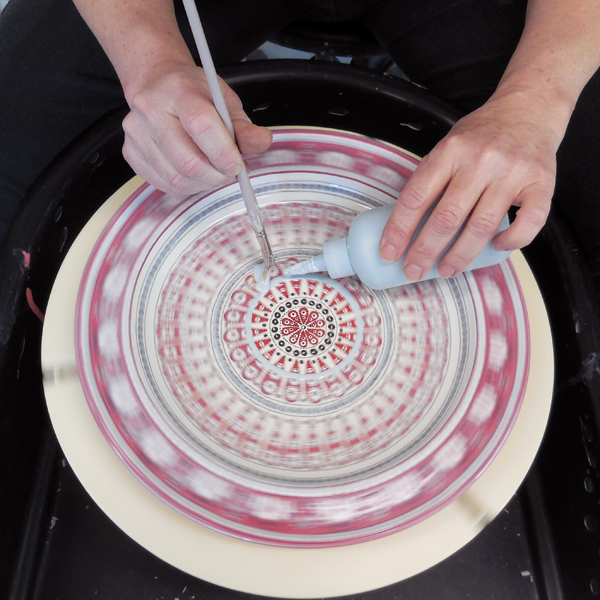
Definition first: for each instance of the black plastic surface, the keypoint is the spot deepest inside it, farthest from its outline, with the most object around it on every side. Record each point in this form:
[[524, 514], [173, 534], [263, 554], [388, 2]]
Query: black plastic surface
[[56, 544]]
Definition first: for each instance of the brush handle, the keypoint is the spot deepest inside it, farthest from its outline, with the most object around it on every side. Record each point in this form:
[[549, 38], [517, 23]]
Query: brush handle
[[208, 65], [214, 86]]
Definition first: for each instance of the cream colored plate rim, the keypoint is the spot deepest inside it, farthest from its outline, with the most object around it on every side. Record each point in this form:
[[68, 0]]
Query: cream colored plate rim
[[254, 568]]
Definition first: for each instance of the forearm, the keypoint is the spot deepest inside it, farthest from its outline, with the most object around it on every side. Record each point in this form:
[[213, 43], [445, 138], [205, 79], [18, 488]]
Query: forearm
[[136, 35], [558, 52], [174, 137]]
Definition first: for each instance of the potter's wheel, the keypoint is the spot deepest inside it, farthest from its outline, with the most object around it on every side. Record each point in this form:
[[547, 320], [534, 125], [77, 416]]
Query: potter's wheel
[[230, 407]]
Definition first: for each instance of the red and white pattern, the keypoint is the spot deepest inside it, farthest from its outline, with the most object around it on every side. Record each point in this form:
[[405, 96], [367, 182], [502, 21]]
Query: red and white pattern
[[320, 412]]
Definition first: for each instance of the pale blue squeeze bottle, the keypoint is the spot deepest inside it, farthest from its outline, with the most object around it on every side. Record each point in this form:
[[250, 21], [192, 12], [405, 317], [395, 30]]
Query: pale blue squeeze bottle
[[358, 254]]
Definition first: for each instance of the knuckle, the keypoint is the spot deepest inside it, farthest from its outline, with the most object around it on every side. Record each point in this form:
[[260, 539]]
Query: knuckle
[[127, 150], [453, 142], [546, 176], [457, 143], [446, 219], [177, 81], [412, 197], [133, 160], [490, 156], [128, 124], [177, 183], [537, 215], [199, 124], [191, 168], [423, 255], [131, 128], [225, 156], [524, 171], [482, 226], [193, 176], [143, 105], [394, 231]]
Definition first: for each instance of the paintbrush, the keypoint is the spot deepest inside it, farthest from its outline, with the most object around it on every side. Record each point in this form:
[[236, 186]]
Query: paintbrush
[[219, 101]]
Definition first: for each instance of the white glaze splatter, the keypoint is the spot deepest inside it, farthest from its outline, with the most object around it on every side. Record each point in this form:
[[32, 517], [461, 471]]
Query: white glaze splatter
[[262, 278]]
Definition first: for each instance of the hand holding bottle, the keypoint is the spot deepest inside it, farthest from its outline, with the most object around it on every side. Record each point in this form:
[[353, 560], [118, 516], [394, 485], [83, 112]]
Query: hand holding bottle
[[498, 156]]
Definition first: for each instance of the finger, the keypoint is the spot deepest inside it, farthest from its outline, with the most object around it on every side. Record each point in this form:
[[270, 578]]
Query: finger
[[148, 159], [251, 138], [479, 229], [443, 224], [143, 168], [165, 144], [192, 170], [203, 124], [535, 201], [423, 188]]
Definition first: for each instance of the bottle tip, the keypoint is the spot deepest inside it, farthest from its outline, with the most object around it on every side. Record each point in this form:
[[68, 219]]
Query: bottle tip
[[302, 268]]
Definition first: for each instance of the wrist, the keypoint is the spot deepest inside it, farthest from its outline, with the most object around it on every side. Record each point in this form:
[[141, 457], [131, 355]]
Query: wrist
[[150, 53], [545, 104], [155, 66]]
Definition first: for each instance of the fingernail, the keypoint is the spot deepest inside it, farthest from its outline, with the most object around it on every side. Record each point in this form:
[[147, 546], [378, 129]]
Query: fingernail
[[389, 253], [232, 169], [446, 271], [413, 272]]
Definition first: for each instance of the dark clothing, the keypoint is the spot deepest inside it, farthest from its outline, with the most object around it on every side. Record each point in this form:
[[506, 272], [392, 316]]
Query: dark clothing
[[55, 80]]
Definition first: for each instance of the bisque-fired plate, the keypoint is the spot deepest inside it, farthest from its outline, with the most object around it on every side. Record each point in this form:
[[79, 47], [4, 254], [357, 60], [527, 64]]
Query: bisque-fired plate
[[320, 412]]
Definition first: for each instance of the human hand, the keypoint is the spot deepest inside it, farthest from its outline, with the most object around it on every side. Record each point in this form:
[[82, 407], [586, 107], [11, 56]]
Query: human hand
[[174, 137], [500, 155]]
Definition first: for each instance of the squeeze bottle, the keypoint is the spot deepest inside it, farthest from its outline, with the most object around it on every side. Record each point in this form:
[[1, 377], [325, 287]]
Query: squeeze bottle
[[358, 254]]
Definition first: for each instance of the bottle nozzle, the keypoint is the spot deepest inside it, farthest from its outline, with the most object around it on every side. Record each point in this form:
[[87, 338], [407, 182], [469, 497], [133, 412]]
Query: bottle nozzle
[[315, 264], [334, 260]]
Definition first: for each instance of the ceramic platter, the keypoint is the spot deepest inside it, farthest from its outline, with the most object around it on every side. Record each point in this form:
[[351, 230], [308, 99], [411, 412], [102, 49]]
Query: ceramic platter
[[359, 436], [316, 413]]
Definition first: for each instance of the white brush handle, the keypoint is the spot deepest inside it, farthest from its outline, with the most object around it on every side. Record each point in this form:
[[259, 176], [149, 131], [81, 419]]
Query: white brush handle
[[208, 65]]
